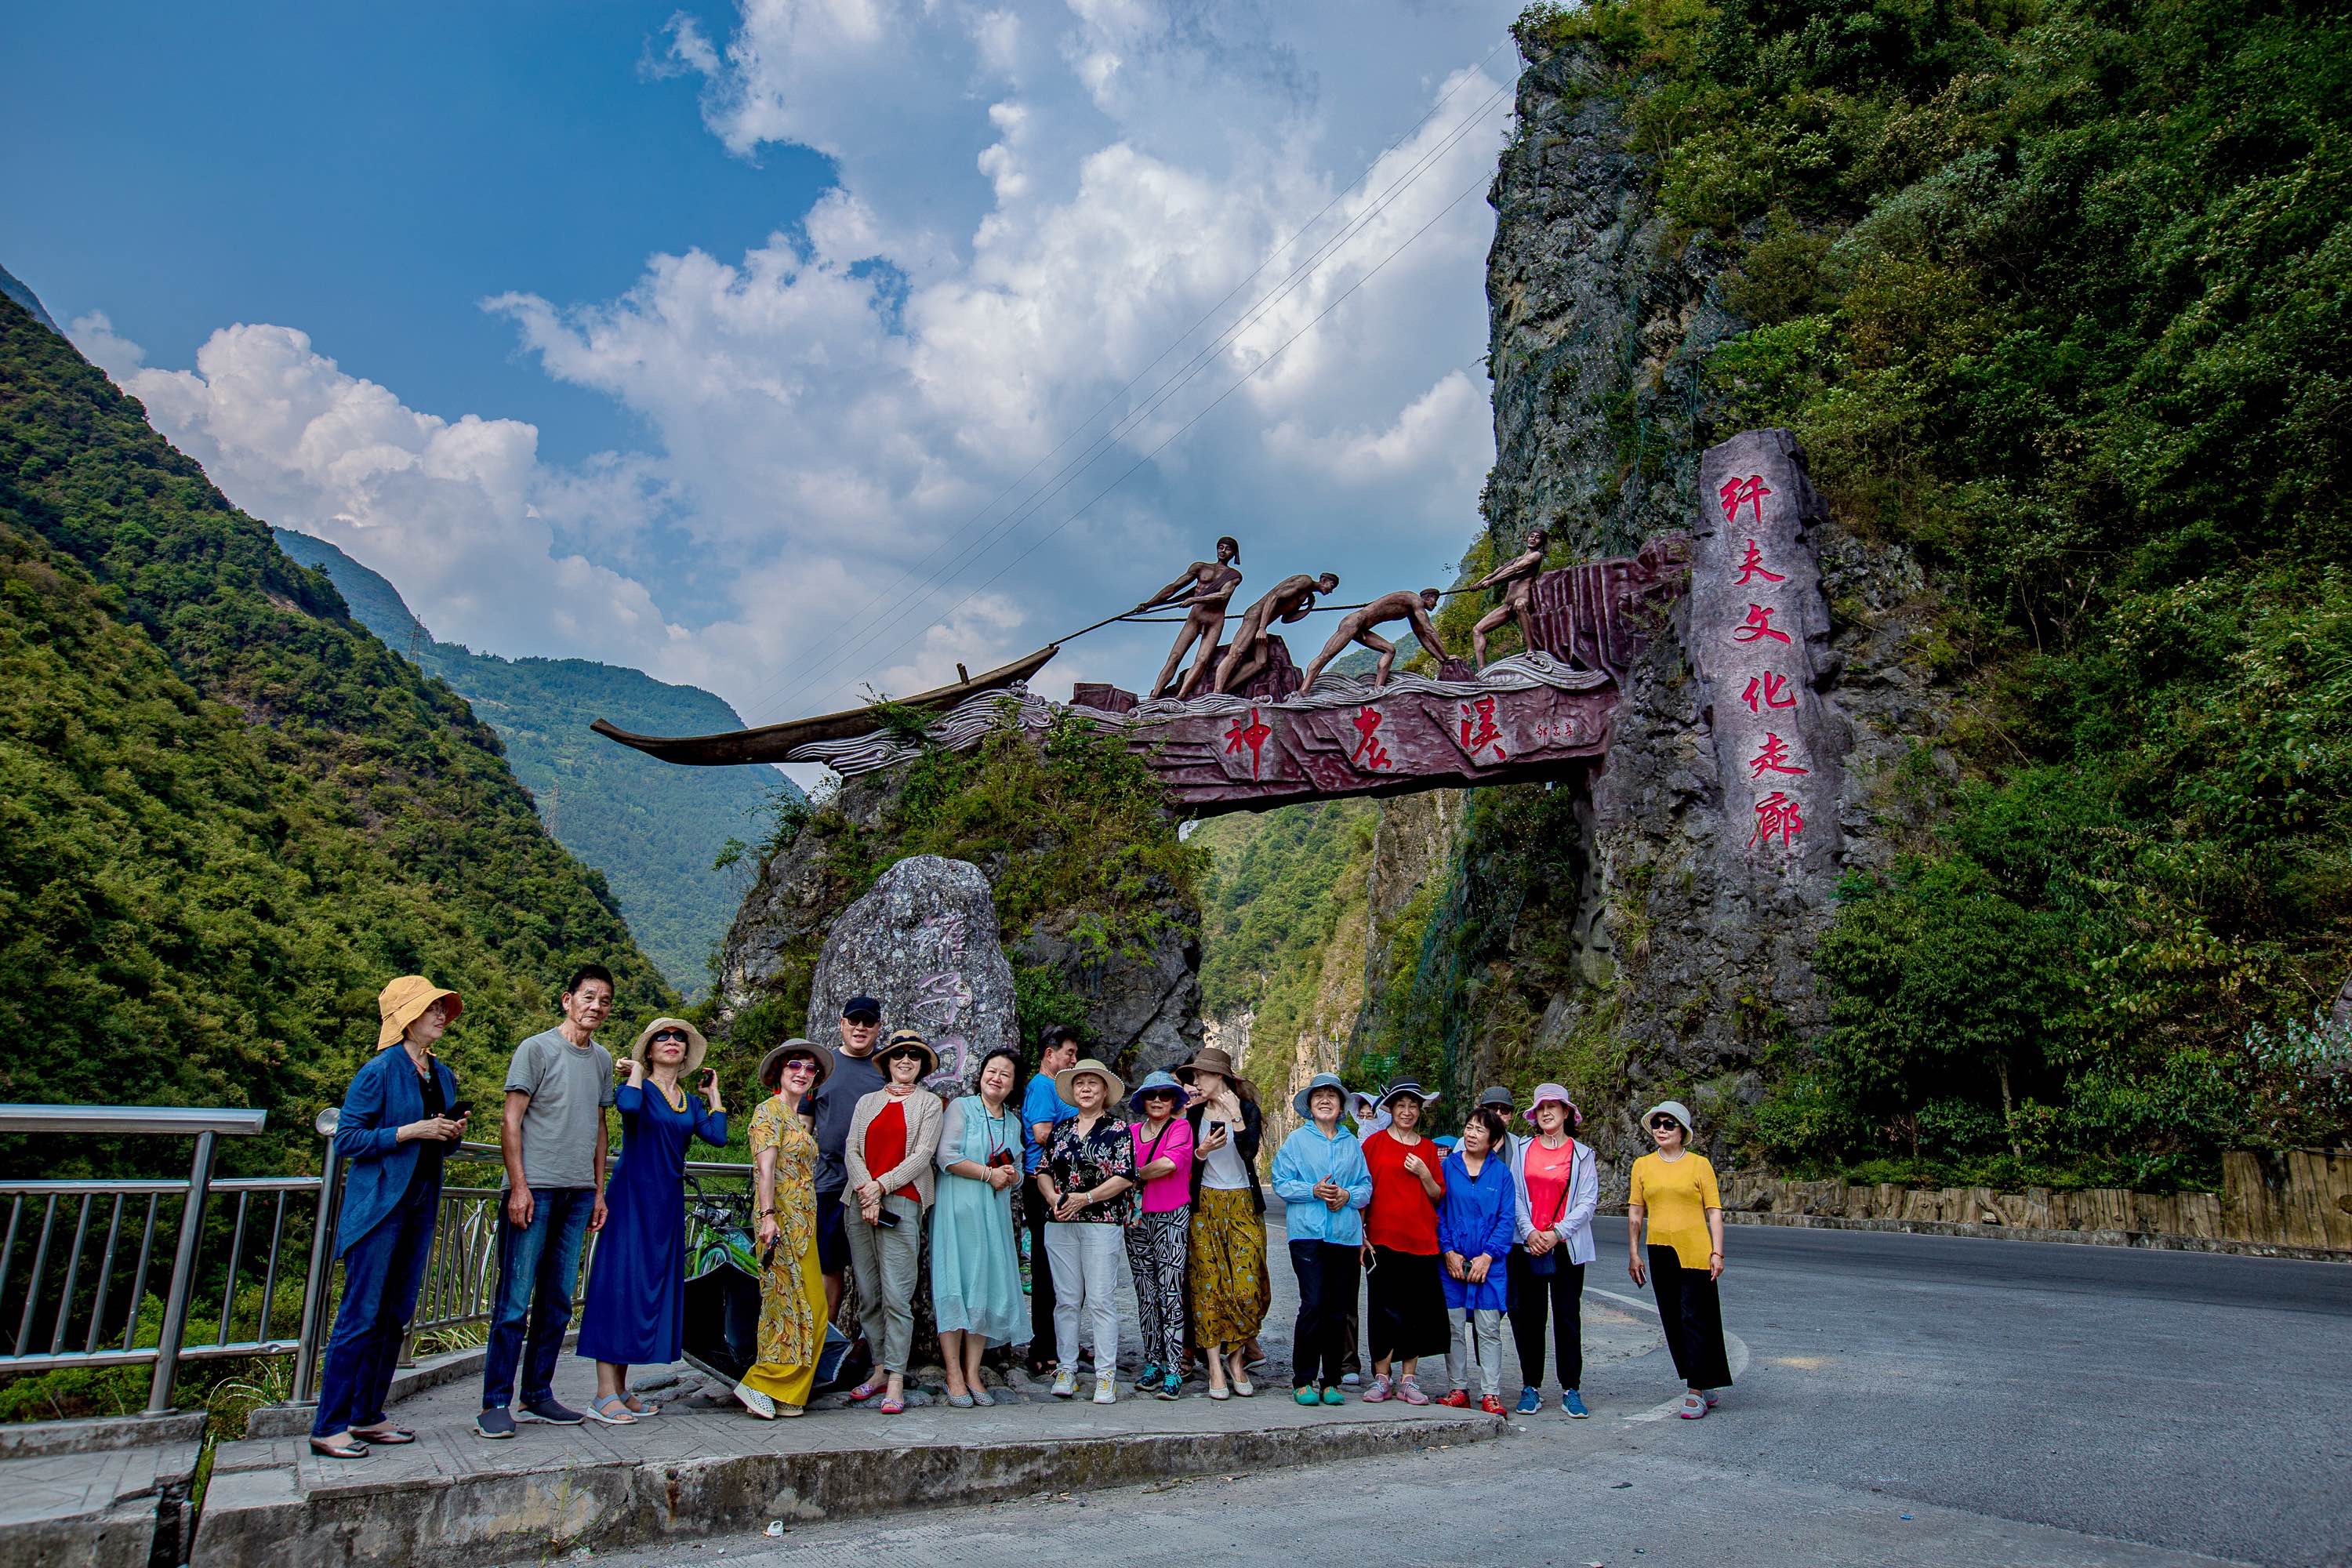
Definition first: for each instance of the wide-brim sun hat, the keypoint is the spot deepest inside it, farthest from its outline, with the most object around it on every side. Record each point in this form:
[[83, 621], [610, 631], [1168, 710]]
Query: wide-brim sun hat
[[1674, 1108], [1403, 1087], [697, 1047], [1301, 1101], [771, 1066], [1209, 1058], [1155, 1083], [1063, 1081], [907, 1040], [1553, 1094], [1362, 1105], [403, 1002]]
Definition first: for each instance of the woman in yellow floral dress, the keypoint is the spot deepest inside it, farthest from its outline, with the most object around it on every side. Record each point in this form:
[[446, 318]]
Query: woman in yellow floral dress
[[791, 1290]]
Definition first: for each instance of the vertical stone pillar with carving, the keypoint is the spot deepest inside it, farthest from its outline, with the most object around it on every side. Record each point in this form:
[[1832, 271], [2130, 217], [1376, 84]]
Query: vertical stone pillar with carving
[[1758, 641]]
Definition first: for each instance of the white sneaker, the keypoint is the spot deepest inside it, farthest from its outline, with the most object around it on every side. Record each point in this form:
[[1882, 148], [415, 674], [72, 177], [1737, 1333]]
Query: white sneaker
[[1066, 1382], [1106, 1388], [1692, 1408], [757, 1403]]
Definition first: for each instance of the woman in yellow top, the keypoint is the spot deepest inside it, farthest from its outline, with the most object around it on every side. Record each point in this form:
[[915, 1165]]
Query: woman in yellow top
[[791, 1290], [1674, 1191]]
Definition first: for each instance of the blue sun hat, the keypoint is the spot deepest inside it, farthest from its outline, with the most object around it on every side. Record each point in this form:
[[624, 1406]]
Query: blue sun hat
[[1299, 1102], [1155, 1083]]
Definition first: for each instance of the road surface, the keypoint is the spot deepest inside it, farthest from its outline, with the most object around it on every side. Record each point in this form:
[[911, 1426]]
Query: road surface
[[1906, 1399]]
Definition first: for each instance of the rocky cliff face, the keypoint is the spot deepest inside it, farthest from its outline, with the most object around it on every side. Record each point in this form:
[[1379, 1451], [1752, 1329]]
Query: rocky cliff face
[[1603, 932]]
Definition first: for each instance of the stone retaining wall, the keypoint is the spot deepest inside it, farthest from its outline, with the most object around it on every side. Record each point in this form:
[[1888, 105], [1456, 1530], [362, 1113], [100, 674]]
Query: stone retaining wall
[[2299, 1203]]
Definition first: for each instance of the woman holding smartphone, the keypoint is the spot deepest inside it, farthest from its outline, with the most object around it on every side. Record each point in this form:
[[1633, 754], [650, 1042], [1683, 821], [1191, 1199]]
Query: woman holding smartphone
[[634, 1309], [975, 1270], [1230, 1290]]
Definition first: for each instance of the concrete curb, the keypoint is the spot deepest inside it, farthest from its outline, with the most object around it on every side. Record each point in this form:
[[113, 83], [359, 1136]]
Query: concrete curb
[[435, 1372], [100, 1434], [2148, 1239], [260, 1520]]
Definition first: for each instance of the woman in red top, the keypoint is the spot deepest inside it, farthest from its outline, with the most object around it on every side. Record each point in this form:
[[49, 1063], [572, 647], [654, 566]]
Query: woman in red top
[[1404, 1291]]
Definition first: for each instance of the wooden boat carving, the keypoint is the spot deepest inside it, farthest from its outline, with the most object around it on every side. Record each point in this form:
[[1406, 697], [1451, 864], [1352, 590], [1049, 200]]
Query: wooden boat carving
[[775, 742]]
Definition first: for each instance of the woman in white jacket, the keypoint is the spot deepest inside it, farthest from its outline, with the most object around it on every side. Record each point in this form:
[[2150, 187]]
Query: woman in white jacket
[[1557, 1189]]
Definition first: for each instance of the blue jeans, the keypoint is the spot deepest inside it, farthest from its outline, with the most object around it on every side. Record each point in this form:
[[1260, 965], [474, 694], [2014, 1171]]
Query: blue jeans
[[539, 1266], [381, 1273]]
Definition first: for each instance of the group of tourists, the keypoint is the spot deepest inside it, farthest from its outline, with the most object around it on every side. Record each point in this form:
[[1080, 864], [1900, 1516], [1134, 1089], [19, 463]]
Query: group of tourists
[[856, 1162]]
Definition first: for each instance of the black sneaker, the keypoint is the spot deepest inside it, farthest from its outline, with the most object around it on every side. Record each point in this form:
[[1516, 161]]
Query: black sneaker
[[551, 1411], [494, 1422]]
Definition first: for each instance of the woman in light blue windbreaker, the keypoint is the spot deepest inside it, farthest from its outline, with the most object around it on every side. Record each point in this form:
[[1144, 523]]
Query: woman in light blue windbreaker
[[1320, 1176]]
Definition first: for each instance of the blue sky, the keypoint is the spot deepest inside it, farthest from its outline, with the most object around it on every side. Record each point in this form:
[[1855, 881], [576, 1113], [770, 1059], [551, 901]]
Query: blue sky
[[707, 340]]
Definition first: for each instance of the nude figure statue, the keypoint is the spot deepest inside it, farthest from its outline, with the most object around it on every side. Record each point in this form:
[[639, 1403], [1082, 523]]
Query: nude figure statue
[[1357, 626], [1292, 599], [1205, 588], [1516, 578]]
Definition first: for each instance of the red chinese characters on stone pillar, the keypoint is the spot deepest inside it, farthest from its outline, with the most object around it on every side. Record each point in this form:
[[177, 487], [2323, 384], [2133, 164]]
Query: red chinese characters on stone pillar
[[1479, 730], [1773, 758], [1767, 691], [1759, 625], [1748, 493], [1777, 814], [1751, 566], [1252, 733], [1368, 751]]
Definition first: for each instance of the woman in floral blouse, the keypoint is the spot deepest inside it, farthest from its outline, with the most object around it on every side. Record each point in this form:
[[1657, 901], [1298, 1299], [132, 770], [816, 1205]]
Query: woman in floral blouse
[[1088, 1177]]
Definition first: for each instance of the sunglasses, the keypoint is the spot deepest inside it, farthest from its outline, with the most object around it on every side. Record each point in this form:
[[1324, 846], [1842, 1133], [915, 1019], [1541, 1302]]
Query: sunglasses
[[799, 1064], [863, 1022], [1664, 1123], [670, 1035]]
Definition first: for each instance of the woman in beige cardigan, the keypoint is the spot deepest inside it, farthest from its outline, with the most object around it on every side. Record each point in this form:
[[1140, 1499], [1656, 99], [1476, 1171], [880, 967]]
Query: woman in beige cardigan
[[893, 1136]]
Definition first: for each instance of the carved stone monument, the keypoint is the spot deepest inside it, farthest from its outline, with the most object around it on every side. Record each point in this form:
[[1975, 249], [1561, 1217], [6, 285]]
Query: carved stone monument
[[923, 942]]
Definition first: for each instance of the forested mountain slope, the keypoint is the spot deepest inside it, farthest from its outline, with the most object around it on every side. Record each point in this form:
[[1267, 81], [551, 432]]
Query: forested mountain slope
[[227, 813]]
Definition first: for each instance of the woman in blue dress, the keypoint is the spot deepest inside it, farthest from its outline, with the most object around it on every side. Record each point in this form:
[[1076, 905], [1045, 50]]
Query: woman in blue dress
[[634, 1311], [975, 1272]]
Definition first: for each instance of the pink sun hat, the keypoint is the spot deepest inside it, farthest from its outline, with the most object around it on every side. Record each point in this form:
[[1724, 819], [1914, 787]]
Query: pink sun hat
[[1556, 1094]]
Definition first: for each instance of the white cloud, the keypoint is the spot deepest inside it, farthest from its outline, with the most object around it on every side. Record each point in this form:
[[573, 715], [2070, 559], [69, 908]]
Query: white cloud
[[852, 473], [96, 337]]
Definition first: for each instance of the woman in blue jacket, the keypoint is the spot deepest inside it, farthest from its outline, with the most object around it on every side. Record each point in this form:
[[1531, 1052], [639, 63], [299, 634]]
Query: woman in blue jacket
[[395, 1125], [1477, 1223], [1321, 1178]]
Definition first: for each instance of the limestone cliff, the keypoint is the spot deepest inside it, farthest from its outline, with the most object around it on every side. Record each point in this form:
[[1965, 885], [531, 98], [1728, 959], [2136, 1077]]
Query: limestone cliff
[[1595, 931]]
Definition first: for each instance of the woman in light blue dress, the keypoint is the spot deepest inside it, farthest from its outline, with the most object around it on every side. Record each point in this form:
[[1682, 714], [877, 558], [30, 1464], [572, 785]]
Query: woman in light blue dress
[[975, 1272]]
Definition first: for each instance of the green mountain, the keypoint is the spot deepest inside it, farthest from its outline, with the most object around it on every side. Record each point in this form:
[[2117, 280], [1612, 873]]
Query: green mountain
[[228, 812], [14, 287], [651, 827]]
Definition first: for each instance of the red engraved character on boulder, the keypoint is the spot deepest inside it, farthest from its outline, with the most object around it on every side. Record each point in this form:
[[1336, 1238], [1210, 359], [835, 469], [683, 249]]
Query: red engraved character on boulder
[[1751, 566], [1759, 625], [1767, 691], [1773, 758], [1748, 493], [1776, 813]]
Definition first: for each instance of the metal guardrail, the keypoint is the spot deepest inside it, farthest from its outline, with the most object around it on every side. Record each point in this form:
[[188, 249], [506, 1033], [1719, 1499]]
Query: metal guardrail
[[81, 1303]]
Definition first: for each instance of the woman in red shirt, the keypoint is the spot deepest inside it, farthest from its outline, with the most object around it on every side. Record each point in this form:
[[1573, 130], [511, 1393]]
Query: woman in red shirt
[[1404, 1307]]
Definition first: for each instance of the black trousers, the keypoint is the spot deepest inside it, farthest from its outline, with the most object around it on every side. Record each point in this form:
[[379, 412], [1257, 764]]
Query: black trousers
[[1041, 1273], [1691, 1315], [1328, 1275], [1558, 1296]]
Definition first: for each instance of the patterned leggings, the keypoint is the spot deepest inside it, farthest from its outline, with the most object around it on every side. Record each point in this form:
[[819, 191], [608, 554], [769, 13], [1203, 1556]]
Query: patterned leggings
[[1155, 1252]]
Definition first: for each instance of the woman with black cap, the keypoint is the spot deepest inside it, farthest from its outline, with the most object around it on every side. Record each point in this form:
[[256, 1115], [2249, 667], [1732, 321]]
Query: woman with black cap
[[792, 1276], [1673, 1191], [633, 1312], [894, 1136], [1404, 1297]]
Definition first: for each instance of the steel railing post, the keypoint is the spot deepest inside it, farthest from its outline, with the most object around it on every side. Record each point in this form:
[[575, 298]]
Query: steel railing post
[[312, 1337], [184, 1278]]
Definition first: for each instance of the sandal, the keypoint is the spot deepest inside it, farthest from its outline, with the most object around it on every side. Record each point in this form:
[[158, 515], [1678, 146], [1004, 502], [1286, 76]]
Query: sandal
[[603, 1410], [326, 1450], [865, 1391], [638, 1407], [384, 1436], [892, 1407]]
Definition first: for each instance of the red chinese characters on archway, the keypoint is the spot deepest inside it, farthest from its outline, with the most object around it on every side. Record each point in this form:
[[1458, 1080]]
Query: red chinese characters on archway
[[1368, 753], [1764, 689], [1479, 731], [1251, 732]]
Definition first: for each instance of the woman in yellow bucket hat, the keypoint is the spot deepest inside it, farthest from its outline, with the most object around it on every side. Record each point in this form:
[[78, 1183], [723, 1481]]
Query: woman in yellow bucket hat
[[399, 1118]]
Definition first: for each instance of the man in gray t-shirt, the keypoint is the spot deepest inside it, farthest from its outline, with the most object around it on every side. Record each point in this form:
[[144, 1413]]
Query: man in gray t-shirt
[[558, 1086]]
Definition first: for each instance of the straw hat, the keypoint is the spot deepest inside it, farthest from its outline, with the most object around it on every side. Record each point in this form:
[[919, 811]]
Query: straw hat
[[905, 1040], [403, 1002], [696, 1045], [1069, 1074], [771, 1066]]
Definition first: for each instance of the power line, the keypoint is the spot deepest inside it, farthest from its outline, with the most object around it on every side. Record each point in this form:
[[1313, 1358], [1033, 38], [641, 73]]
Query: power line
[[865, 617]]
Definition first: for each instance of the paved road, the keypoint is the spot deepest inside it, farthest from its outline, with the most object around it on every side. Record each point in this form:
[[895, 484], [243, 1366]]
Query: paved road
[[2021, 1403]]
